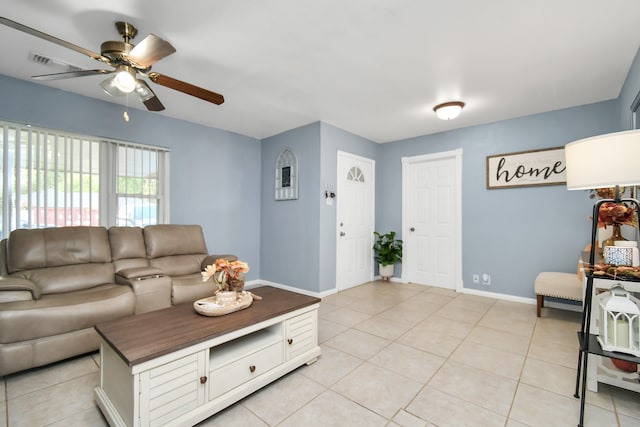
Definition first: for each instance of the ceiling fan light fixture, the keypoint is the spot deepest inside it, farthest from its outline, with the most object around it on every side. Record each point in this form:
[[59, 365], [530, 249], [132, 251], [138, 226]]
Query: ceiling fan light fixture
[[448, 110], [143, 91], [125, 81], [127, 60], [121, 83]]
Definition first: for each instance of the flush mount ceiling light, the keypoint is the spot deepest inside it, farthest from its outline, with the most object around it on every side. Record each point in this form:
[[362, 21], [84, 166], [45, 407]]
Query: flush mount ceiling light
[[448, 110]]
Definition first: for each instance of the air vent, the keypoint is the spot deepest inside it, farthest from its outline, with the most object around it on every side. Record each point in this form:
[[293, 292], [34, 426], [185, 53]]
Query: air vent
[[57, 63]]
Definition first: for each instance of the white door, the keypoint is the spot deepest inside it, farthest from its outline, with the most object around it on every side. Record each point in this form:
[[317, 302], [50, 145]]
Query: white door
[[432, 219], [355, 220]]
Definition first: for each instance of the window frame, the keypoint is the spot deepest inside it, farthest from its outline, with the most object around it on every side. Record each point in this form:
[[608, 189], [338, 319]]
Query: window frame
[[108, 169]]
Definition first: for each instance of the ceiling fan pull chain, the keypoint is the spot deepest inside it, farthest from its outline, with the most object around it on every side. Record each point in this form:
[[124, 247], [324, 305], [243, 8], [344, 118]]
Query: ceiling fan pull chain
[[126, 108]]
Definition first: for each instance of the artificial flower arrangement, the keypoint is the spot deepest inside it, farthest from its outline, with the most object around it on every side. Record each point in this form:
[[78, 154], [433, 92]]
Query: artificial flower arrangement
[[612, 213], [227, 275]]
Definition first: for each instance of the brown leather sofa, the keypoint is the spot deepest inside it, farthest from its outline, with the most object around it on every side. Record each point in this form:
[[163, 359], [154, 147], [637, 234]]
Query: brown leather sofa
[[57, 283]]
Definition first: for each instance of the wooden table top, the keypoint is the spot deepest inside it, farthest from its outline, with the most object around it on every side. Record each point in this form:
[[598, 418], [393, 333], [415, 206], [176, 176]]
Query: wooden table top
[[146, 336]]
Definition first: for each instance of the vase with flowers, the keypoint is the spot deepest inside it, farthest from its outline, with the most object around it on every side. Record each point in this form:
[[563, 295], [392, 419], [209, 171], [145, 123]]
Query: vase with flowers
[[228, 277], [615, 215]]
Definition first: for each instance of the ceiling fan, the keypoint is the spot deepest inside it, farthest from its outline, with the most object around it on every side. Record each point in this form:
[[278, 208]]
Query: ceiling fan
[[128, 61]]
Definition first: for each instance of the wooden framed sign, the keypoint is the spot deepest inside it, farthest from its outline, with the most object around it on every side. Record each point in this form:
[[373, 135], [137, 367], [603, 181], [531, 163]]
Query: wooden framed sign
[[526, 168]]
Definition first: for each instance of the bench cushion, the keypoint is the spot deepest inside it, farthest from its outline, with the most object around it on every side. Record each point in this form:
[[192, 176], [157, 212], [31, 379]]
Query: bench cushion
[[559, 285]]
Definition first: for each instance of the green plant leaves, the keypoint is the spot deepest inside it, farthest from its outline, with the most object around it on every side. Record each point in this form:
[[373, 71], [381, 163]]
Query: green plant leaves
[[388, 249]]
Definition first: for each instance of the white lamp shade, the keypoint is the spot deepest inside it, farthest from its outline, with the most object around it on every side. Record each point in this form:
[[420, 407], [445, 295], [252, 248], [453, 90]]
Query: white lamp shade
[[603, 161]]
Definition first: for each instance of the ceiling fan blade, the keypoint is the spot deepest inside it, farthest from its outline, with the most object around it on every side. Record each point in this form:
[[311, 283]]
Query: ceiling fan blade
[[70, 74], [150, 50], [148, 98], [187, 88], [52, 39]]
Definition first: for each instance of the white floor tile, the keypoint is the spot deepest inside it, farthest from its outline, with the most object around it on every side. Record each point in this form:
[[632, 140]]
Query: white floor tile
[[392, 355]]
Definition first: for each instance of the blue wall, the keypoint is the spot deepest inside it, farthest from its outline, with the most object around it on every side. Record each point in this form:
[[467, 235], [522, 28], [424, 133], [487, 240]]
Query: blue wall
[[512, 234], [299, 236], [333, 140], [628, 93], [225, 182], [290, 228], [215, 175]]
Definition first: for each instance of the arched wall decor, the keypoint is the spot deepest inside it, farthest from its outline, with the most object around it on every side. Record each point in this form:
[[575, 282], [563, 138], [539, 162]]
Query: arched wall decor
[[286, 176]]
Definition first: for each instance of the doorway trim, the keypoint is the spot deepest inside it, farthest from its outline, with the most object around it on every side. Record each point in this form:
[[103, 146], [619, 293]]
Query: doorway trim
[[406, 161]]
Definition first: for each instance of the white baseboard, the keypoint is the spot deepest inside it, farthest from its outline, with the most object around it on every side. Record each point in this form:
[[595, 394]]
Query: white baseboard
[[393, 279], [524, 300], [256, 283], [504, 297]]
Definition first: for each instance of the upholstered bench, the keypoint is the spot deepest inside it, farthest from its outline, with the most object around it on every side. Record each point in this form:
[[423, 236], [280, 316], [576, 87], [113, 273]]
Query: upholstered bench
[[557, 285]]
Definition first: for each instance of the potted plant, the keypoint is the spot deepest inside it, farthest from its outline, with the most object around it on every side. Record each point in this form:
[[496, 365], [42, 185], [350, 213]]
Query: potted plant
[[388, 251]]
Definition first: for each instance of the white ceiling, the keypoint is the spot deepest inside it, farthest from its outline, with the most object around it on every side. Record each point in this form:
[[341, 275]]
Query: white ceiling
[[375, 68]]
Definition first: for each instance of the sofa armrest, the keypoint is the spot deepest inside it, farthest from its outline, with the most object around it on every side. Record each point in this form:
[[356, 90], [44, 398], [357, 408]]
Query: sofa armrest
[[211, 259], [139, 273], [19, 284]]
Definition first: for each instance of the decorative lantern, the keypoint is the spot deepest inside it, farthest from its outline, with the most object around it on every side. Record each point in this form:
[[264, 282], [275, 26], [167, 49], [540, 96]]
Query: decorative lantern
[[620, 321]]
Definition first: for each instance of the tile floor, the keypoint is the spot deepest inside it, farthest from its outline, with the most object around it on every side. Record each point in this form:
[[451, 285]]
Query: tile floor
[[393, 355]]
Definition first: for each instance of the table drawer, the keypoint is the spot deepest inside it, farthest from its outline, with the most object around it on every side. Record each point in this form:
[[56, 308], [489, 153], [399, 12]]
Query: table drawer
[[301, 334], [238, 372]]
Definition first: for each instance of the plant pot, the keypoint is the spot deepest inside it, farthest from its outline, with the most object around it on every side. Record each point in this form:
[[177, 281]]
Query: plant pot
[[386, 271]]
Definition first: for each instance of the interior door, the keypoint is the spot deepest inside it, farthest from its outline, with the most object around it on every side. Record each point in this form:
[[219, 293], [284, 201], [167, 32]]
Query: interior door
[[431, 220], [355, 220]]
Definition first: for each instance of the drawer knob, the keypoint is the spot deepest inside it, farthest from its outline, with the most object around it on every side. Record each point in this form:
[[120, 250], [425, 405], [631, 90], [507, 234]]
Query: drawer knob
[[290, 341], [203, 380], [252, 368]]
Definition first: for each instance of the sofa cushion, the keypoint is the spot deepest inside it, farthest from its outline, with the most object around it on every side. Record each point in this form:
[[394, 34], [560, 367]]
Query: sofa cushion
[[179, 265], [127, 242], [170, 239], [53, 247], [69, 278], [189, 288], [127, 248], [65, 312]]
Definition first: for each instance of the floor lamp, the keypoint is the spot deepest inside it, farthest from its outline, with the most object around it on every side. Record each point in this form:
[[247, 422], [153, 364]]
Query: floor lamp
[[610, 160]]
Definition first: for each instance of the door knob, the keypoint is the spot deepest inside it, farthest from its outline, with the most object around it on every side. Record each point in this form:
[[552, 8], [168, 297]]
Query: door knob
[[342, 233], [252, 368], [412, 229]]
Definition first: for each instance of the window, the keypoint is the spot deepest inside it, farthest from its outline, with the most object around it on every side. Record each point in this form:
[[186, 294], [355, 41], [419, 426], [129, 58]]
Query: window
[[53, 179], [138, 187], [355, 174]]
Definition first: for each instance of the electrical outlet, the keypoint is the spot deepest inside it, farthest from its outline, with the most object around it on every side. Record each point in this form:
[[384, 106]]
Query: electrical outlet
[[486, 279], [476, 278]]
